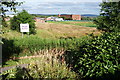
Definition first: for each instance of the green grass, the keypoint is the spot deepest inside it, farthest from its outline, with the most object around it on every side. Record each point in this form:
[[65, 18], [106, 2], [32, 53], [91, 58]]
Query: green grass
[[15, 45], [46, 66], [46, 34], [80, 23], [30, 44], [53, 31], [20, 61], [9, 34]]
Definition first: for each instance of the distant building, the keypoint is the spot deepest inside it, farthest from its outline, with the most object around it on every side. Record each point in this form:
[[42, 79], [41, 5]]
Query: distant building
[[59, 19], [38, 19], [50, 18], [54, 19], [7, 19], [73, 17]]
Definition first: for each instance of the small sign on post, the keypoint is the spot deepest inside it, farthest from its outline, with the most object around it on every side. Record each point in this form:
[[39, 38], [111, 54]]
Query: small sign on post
[[24, 28]]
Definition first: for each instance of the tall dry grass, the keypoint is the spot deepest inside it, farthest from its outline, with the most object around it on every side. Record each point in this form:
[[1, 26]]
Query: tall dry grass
[[51, 65]]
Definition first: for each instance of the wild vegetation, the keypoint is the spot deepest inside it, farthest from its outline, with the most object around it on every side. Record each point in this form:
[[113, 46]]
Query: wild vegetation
[[92, 57], [97, 58], [28, 45], [46, 66], [23, 17]]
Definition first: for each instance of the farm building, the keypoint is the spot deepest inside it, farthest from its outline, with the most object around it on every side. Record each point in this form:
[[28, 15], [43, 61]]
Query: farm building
[[73, 17], [51, 18], [38, 19], [54, 19], [8, 17], [59, 19]]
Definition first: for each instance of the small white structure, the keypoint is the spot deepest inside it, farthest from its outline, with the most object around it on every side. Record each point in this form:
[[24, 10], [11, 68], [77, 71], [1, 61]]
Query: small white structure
[[51, 18], [54, 19], [59, 19]]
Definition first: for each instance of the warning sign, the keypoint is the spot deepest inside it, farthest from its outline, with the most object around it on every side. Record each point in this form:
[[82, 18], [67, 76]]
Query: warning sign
[[24, 27]]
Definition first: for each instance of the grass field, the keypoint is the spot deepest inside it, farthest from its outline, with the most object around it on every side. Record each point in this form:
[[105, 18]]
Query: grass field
[[49, 35], [79, 23], [59, 29], [56, 30]]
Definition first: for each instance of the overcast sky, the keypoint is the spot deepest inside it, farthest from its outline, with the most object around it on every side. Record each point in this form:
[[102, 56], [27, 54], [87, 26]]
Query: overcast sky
[[61, 6]]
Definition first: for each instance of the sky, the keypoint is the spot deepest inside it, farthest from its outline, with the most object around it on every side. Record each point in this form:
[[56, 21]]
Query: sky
[[60, 0], [61, 6]]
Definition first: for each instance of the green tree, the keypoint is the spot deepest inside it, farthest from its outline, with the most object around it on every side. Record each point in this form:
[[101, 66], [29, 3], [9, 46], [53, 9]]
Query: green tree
[[23, 17], [5, 6], [109, 19]]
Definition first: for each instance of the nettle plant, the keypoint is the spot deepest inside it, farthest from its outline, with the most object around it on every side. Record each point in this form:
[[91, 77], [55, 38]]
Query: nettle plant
[[99, 57]]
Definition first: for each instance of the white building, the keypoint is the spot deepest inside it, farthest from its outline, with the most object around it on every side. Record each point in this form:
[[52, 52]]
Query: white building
[[59, 19], [55, 19]]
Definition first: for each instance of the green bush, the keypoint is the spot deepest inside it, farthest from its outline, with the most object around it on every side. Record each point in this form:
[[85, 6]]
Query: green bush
[[9, 49], [99, 57], [23, 17]]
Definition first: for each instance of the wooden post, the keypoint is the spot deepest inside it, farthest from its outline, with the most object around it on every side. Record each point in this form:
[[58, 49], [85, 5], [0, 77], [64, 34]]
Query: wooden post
[[22, 34]]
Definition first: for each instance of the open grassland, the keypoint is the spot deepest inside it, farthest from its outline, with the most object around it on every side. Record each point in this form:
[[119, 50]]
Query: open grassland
[[79, 23], [49, 35], [58, 30], [9, 34], [45, 50]]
